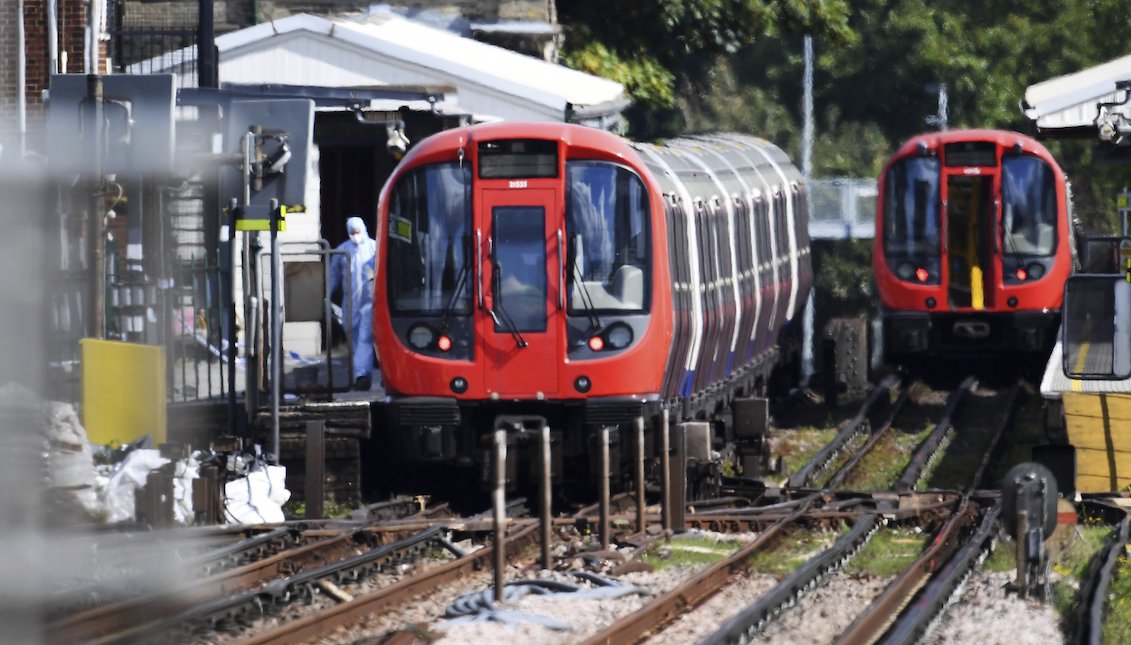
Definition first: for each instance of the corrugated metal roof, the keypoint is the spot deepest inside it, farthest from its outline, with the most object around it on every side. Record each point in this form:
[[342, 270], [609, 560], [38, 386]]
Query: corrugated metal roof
[[382, 48], [1070, 101]]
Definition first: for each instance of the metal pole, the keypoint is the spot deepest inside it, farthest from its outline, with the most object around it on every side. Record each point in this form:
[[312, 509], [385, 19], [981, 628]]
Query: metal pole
[[604, 483], [21, 78], [206, 42], [679, 478], [250, 366], [230, 283], [315, 463], [500, 523], [546, 500], [807, 171], [640, 526], [1023, 553], [665, 473], [276, 330], [807, 109], [97, 231]]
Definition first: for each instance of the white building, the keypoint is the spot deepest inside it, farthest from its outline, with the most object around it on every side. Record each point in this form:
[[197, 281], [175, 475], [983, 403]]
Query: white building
[[381, 48]]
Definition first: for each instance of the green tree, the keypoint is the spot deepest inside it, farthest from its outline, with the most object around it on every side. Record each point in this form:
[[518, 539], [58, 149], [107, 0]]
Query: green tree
[[653, 46]]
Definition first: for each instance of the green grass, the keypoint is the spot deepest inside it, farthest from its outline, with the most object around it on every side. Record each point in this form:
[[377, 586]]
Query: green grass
[[1002, 558], [1071, 564], [330, 509], [689, 551], [1117, 616], [889, 552], [797, 446], [796, 551], [881, 468], [848, 451]]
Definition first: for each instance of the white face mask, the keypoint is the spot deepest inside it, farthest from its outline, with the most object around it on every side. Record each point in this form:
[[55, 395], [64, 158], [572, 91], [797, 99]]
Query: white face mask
[[357, 237]]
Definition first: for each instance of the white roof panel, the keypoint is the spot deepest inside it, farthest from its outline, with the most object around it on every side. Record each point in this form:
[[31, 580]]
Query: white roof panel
[[370, 49], [1070, 101]]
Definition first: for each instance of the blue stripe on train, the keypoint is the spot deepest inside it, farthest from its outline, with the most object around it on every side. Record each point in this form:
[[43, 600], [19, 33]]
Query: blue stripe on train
[[685, 389]]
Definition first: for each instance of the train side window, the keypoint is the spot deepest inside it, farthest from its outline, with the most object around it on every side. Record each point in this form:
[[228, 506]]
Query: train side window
[[780, 232], [761, 229]]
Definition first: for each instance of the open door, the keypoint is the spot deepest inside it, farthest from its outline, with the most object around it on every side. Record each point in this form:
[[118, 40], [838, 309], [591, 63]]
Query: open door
[[970, 239]]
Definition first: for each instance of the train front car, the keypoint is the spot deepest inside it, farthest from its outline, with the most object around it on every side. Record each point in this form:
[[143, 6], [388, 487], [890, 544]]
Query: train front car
[[972, 247], [519, 282], [554, 274]]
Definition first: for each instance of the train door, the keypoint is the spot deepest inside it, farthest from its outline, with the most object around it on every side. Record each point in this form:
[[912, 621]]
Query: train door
[[970, 238], [521, 348]]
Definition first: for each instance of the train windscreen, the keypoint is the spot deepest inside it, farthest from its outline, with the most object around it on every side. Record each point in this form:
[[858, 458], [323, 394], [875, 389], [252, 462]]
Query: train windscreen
[[607, 220], [1028, 206], [428, 246], [911, 219]]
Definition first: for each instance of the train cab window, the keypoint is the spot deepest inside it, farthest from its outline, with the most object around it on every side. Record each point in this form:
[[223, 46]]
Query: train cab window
[[1028, 206], [607, 223], [911, 219], [429, 243], [520, 267]]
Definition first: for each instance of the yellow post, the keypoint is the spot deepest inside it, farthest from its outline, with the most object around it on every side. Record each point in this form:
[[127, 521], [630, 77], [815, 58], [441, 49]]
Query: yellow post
[[977, 297], [123, 391]]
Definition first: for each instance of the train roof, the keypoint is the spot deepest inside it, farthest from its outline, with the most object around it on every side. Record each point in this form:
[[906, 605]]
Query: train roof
[[682, 166], [933, 140], [574, 135]]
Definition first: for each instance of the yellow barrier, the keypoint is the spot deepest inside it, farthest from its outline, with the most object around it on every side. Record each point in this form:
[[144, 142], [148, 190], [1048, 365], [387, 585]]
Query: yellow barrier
[[1099, 428], [123, 391]]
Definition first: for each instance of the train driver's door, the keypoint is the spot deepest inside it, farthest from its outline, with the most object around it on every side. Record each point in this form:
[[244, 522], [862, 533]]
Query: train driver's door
[[522, 286]]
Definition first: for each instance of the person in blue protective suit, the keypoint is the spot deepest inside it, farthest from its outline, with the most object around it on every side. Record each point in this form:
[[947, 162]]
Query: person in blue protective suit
[[361, 250]]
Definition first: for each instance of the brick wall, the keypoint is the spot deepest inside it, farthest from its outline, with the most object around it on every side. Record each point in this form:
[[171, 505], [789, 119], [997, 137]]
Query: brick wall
[[72, 39], [472, 9], [8, 73]]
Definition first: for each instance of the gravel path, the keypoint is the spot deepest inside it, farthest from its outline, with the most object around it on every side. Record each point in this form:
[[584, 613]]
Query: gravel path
[[987, 615]]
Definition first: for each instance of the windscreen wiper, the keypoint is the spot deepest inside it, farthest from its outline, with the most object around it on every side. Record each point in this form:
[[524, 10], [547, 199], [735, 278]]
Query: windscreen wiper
[[506, 322], [586, 299], [446, 314]]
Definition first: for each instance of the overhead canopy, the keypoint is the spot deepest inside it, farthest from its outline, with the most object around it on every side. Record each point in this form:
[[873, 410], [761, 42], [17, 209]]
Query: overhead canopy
[[1091, 102], [385, 49]]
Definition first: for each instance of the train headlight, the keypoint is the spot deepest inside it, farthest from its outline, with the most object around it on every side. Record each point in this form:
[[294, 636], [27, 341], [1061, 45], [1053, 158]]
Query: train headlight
[[619, 336], [1021, 274], [905, 271], [444, 343], [596, 343], [922, 274], [422, 337], [1036, 271]]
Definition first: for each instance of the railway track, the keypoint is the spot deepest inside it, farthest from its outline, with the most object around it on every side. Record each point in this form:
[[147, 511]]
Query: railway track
[[387, 569]]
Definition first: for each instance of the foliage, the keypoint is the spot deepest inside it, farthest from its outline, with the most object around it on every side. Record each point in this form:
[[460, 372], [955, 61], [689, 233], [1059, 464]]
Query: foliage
[[696, 65], [1117, 617], [644, 78]]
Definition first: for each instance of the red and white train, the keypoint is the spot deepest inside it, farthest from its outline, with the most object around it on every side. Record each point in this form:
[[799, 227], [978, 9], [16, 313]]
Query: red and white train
[[563, 272], [973, 245]]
